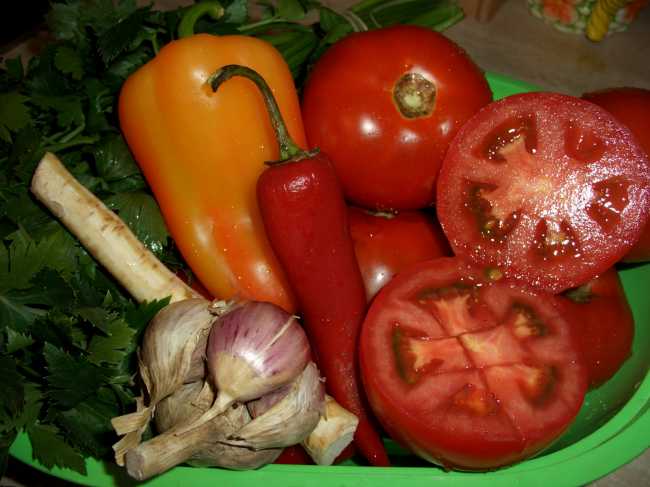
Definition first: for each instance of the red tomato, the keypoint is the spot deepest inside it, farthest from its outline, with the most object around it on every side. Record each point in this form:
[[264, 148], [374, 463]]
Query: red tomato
[[549, 187], [603, 323], [468, 373], [384, 105], [632, 107], [385, 243], [294, 455]]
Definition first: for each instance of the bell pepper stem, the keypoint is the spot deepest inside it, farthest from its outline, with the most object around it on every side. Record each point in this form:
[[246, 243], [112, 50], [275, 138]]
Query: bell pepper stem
[[288, 148], [195, 12]]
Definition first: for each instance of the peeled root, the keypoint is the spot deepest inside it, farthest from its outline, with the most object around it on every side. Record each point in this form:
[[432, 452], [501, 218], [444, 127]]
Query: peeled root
[[334, 432], [105, 235]]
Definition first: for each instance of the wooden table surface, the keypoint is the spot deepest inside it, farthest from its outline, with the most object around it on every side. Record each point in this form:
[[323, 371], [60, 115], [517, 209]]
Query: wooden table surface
[[516, 44]]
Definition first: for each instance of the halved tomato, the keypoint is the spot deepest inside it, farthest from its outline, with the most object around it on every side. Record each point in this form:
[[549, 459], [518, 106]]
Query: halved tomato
[[466, 371], [548, 187]]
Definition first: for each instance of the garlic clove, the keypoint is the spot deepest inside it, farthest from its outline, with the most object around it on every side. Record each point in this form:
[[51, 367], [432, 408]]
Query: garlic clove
[[287, 417], [256, 348], [173, 347]]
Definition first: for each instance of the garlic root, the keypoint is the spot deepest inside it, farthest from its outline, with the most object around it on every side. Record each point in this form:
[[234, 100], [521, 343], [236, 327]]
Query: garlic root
[[199, 446], [104, 234]]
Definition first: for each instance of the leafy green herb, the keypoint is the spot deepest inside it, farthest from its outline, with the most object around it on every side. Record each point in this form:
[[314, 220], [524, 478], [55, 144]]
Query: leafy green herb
[[68, 331], [14, 114]]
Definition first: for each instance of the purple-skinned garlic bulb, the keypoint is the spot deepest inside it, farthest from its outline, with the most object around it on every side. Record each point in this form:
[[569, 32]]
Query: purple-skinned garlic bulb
[[253, 348]]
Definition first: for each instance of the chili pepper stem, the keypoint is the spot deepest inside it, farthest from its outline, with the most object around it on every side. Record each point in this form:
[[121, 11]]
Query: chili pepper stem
[[289, 150]]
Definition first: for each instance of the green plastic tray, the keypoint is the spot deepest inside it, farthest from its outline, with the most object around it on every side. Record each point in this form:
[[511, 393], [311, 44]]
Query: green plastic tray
[[612, 429]]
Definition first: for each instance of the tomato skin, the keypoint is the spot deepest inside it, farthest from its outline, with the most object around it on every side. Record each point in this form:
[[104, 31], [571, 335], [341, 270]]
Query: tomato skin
[[630, 106], [387, 243], [603, 324], [294, 455], [548, 187], [470, 403], [305, 217], [385, 160]]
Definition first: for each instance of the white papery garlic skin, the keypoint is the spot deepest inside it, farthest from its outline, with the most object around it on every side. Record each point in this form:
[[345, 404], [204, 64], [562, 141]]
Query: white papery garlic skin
[[286, 416]]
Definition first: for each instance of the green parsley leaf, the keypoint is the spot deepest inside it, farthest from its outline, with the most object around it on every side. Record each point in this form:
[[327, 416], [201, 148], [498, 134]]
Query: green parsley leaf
[[69, 109], [116, 165], [11, 382], [291, 10], [14, 114], [88, 424], [69, 62], [125, 65], [71, 379], [17, 341], [141, 213], [64, 20], [100, 106], [15, 70], [236, 12], [117, 39], [117, 340], [22, 261], [49, 448], [33, 402]]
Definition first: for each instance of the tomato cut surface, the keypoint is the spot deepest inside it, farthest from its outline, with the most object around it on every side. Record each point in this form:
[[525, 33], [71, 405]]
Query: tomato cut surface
[[630, 106], [469, 373], [548, 187]]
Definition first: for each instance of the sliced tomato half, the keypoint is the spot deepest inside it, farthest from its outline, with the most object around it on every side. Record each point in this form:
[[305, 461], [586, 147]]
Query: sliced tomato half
[[467, 372], [549, 187]]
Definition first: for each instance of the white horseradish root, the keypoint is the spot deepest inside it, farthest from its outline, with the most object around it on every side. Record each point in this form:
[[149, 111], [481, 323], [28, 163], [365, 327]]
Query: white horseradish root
[[104, 235], [107, 238]]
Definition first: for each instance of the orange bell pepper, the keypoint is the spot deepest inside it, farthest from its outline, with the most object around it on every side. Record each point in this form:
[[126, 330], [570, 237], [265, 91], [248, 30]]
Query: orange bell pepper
[[201, 153]]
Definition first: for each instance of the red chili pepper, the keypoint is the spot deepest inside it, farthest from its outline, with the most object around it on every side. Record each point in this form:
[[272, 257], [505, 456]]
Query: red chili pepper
[[305, 217]]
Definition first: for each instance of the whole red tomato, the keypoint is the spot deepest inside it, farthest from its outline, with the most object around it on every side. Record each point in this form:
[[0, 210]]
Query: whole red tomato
[[631, 106], [602, 323], [384, 105], [385, 243]]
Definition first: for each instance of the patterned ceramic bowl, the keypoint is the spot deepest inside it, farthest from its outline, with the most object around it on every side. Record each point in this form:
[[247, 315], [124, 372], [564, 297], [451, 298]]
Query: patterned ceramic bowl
[[606, 16]]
